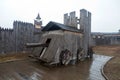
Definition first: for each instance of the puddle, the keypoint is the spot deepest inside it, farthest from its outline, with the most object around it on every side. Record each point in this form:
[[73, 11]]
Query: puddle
[[96, 66]]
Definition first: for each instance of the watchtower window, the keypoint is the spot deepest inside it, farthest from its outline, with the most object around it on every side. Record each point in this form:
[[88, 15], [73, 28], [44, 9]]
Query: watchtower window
[[45, 48], [48, 41]]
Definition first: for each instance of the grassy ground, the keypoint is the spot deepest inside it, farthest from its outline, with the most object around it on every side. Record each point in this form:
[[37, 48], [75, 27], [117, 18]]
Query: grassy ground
[[112, 68], [12, 57]]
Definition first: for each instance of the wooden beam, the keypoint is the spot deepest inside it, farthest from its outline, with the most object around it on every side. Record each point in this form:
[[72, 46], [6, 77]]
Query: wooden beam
[[31, 45]]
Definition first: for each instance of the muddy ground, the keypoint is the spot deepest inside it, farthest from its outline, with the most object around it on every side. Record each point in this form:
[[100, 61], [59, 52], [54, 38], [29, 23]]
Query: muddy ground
[[30, 69], [22, 68], [112, 68]]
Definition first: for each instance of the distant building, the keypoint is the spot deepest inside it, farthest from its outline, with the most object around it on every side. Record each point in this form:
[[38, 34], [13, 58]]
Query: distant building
[[38, 22], [106, 38]]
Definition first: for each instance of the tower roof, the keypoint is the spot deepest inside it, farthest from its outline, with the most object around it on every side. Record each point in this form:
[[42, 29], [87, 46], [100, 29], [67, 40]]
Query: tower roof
[[38, 16]]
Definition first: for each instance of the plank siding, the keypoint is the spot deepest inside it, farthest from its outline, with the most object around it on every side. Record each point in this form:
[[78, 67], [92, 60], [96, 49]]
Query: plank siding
[[60, 40]]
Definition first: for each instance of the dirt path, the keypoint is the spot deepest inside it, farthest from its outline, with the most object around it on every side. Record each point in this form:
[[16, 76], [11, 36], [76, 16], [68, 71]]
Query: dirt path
[[32, 70]]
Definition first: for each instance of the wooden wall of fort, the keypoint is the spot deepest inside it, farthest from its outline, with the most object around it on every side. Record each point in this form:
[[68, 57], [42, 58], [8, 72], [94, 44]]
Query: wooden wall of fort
[[14, 40], [105, 39]]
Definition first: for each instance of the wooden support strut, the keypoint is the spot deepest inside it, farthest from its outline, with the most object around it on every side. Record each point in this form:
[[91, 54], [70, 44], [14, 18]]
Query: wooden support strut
[[31, 45]]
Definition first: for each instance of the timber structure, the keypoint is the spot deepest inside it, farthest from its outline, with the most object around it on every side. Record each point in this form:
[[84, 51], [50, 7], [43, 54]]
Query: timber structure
[[65, 43]]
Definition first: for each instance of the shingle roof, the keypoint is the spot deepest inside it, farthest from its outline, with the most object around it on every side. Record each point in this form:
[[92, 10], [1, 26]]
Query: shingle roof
[[38, 16], [58, 26]]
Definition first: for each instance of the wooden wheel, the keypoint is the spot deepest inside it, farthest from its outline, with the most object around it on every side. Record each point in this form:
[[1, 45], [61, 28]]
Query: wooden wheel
[[65, 57]]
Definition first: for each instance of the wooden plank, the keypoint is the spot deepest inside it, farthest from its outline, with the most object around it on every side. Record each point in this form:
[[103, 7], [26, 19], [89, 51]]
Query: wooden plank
[[31, 45]]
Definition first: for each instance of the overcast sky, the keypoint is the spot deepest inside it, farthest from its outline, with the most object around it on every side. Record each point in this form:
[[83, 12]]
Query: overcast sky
[[105, 13]]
